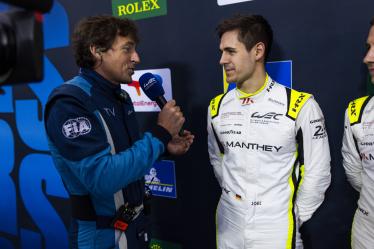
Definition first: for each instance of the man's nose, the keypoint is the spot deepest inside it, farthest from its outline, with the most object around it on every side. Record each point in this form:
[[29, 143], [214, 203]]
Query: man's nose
[[135, 58], [223, 59]]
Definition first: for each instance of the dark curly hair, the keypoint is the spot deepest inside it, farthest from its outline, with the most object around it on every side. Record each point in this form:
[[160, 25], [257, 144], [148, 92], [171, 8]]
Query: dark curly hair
[[99, 31], [252, 29]]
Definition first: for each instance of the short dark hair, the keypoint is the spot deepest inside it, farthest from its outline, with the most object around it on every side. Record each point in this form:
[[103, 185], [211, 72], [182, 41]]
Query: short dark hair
[[99, 31], [372, 22], [252, 29]]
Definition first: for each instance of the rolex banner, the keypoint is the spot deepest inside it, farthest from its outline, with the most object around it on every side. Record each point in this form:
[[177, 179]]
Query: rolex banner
[[139, 9]]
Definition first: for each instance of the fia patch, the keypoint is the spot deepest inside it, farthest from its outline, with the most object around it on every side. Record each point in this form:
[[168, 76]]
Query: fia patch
[[76, 127]]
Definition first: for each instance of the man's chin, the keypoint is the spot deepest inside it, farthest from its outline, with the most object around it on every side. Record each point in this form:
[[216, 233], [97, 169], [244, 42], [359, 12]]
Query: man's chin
[[126, 81], [230, 79]]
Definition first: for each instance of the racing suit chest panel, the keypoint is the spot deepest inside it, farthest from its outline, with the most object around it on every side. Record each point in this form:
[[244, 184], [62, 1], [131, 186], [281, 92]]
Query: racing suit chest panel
[[259, 143], [118, 113], [116, 108], [120, 118]]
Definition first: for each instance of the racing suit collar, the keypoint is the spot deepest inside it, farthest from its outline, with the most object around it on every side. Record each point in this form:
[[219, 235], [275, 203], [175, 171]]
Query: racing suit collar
[[99, 81], [243, 95]]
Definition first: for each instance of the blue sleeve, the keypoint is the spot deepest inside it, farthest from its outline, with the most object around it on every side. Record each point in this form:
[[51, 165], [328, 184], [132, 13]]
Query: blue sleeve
[[79, 142], [105, 174]]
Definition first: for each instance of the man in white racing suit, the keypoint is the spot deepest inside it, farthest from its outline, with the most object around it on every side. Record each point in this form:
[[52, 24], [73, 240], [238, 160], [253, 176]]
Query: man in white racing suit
[[358, 157], [268, 146]]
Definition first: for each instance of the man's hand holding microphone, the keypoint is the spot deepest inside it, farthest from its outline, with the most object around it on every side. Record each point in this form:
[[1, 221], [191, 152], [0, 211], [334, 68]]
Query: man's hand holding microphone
[[170, 117]]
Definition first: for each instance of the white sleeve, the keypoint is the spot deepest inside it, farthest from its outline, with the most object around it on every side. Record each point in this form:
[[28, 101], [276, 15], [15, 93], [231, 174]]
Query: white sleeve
[[316, 176], [214, 151], [351, 158]]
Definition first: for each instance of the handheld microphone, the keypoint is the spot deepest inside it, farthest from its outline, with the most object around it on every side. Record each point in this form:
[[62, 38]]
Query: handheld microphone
[[151, 85]]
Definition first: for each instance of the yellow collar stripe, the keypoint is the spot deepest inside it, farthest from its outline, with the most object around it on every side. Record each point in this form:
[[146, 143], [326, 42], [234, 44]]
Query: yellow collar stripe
[[214, 105], [246, 95], [355, 108]]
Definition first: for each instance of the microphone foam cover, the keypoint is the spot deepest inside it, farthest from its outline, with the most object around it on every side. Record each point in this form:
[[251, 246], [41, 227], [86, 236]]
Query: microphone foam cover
[[151, 85]]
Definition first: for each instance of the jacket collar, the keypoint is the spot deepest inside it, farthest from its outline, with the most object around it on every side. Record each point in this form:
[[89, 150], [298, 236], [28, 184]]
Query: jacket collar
[[259, 93], [99, 82]]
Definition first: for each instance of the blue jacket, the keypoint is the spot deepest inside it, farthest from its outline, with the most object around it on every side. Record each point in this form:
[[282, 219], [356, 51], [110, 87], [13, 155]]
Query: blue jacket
[[97, 149]]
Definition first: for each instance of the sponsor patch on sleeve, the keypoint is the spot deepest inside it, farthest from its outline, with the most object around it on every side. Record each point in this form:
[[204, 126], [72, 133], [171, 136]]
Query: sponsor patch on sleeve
[[73, 128], [319, 128], [355, 108], [297, 101]]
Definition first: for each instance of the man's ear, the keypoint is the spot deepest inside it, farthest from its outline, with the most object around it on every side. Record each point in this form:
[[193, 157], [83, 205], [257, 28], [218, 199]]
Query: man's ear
[[95, 52], [260, 51]]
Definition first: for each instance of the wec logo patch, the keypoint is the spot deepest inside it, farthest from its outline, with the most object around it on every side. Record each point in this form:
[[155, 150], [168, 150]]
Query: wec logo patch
[[76, 127]]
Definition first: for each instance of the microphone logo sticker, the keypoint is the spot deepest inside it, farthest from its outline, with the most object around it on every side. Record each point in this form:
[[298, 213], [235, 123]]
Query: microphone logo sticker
[[140, 100], [150, 83]]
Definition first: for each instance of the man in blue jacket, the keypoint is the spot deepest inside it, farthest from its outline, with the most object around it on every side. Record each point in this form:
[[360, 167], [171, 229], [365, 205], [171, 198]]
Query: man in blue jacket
[[95, 141]]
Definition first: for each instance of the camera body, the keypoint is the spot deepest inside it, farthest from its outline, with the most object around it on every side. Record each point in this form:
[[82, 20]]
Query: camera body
[[21, 42]]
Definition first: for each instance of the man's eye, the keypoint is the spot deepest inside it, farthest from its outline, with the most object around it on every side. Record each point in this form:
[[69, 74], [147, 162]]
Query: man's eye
[[127, 49]]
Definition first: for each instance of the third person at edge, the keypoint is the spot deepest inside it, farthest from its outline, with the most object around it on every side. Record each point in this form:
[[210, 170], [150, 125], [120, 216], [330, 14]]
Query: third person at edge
[[358, 152]]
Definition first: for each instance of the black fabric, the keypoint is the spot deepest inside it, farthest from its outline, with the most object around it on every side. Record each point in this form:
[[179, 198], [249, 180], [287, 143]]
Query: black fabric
[[82, 208], [162, 134]]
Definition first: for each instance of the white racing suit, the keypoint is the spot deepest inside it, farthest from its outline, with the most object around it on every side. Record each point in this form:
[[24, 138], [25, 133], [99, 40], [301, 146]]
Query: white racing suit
[[358, 162], [270, 154]]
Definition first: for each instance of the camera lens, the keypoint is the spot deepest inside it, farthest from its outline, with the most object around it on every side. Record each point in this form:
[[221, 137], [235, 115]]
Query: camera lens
[[8, 52]]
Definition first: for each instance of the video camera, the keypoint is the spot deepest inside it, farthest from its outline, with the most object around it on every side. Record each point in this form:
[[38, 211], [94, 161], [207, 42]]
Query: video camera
[[21, 41]]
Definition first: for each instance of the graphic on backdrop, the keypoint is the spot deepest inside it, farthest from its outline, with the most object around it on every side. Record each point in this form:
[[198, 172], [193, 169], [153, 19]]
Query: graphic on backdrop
[[160, 244], [161, 179], [24, 189], [139, 9], [227, 2], [280, 71], [141, 102]]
